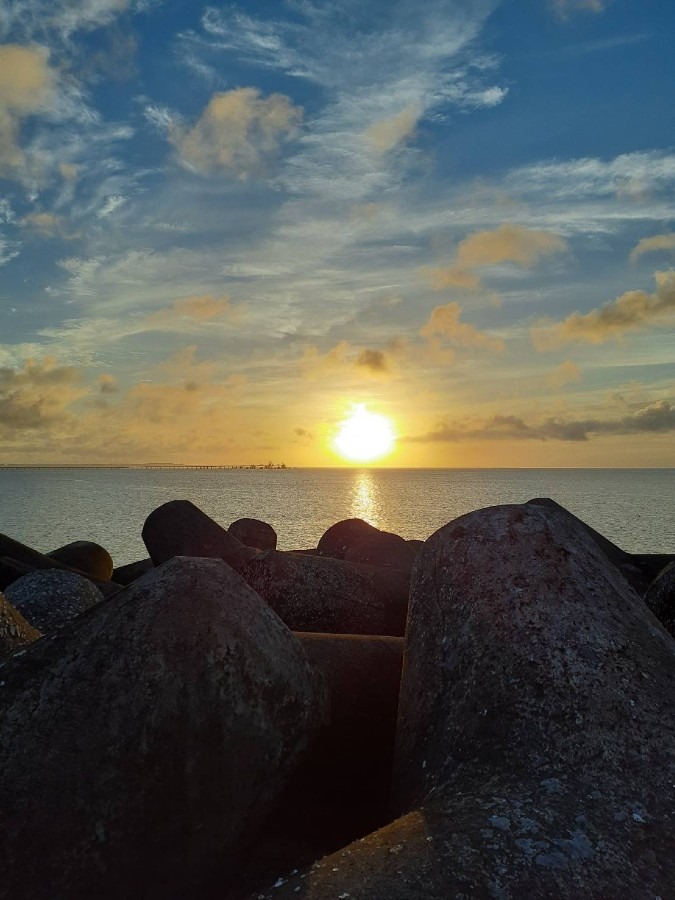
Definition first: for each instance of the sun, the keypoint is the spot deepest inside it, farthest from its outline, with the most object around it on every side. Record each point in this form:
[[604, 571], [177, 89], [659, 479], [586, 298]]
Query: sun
[[364, 436]]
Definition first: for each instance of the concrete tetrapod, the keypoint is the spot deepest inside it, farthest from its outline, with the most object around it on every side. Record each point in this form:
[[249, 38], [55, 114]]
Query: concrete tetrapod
[[310, 593], [536, 736], [142, 743], [179, 528]]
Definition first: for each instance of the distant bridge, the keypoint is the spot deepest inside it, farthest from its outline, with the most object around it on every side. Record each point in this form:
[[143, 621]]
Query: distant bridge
[[146, 466]]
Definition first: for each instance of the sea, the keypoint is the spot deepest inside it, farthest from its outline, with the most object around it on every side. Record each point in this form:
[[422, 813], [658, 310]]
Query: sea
[[46, 508]]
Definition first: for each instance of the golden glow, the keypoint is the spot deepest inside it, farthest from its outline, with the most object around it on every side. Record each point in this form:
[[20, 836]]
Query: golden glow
[[364, 436], [364, 498]]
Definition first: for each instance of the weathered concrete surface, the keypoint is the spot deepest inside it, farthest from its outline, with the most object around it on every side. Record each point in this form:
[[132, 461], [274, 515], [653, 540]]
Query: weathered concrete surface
[[536, 743], [139, 746], [50, 598], [384, 549], [341, 790], [660, 598], [85, 556], [639, 569], [179, 528], [311, 593], [15, 632], [254, 533]]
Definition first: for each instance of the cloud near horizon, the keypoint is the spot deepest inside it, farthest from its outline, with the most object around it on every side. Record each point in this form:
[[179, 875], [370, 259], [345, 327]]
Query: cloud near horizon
[[631, 311], [656, 418], [238, 132], [37, 394], [506, 244]]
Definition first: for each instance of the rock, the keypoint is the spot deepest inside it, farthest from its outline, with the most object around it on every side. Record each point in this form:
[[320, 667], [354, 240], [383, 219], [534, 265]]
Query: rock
[[126, 575], [254, 533], [536, 737], [50, 598], [15, 631], [141, 745], [340, 537], [660, 598], [87, 557], [179, 528], [311, 593], [639, 569], [384, 549], [17, 559]]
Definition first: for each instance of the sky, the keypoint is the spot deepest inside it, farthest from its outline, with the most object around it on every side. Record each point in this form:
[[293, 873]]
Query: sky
[[223, 227]]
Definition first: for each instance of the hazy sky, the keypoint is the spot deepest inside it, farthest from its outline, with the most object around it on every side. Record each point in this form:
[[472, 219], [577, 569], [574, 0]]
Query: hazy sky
[[222, 226]]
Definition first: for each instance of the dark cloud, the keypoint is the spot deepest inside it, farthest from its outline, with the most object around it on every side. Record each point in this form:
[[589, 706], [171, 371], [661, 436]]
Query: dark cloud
[[306, 436], [657, 418], [374, 360]]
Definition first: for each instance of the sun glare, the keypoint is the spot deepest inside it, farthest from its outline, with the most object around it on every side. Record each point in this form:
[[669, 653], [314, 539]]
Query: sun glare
[[364, 436]]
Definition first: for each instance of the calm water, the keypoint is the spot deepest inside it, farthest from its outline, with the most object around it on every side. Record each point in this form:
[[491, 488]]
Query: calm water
[[47, 508]]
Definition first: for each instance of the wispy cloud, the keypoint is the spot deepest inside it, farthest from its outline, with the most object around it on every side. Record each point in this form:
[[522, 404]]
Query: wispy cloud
[[200, 309], [37, 18], [564, 9], [631, 311]]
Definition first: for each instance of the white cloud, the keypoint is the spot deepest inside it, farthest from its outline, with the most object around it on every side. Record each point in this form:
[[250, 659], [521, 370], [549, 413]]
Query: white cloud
[[112, 202], [159, 117]]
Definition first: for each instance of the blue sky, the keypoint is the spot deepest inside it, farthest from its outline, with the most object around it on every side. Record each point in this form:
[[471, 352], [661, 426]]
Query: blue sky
[[223, 225]]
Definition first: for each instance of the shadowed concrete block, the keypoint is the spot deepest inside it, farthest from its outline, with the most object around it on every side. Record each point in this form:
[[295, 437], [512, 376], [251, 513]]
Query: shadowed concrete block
[[660, 598], [311, 593], [179, 528], [50, 598], [140, 745], [536, 740], [337, 540], [254, 533], [131, 572], [341, 790], [87, 557], [17, 559]]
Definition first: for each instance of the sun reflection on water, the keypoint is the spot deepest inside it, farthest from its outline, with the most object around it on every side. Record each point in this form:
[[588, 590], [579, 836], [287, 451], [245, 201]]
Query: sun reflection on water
[[365, 500]]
